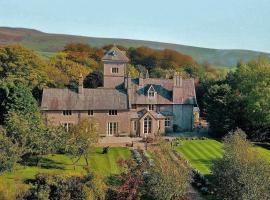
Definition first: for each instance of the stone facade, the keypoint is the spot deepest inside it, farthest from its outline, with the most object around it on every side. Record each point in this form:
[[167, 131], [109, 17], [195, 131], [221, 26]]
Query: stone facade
[[124, 106]]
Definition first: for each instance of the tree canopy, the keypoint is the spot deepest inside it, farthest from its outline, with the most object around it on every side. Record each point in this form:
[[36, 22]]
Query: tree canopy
[[242, 173]]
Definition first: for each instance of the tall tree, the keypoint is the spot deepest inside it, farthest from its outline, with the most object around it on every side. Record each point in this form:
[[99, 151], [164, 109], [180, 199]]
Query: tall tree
[[19, 64], [222, 108], [24, 123], [252, 81], [83, 137], [242, 174]]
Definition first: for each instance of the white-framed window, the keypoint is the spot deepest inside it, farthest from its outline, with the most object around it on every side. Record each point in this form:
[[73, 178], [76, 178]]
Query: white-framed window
[[67, 112], [151, 107], [115, 70], [147, 125], [67, 126], [112, 112], [90, 112], [167, 122], [112, 128], [151, 92]]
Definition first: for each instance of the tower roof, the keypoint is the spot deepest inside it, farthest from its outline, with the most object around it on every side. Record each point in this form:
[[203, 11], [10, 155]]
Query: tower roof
[[115, 54]]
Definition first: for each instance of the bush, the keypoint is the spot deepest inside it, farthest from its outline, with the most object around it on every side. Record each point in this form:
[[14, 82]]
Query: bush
[[9, 152], [200, 182], [57, 187]]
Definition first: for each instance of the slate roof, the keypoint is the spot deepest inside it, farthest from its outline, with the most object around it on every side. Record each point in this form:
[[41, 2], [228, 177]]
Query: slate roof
[[140, 114], [114, 54], [164, 88], [92, 99]]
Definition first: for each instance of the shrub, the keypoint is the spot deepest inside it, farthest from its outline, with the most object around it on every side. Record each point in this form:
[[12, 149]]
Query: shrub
[[57, 187], [9, 152]]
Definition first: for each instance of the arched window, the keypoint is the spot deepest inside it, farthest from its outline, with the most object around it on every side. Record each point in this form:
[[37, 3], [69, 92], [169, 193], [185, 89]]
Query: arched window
[[147, 125]]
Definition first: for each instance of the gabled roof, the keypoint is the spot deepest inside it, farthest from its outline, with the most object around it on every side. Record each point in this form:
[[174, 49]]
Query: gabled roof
[[91, 99], [142, 113], [114, 54], [164, 92]]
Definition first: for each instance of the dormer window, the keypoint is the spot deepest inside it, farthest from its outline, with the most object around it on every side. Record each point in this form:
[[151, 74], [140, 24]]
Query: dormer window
[[115, 70], [151, 92]]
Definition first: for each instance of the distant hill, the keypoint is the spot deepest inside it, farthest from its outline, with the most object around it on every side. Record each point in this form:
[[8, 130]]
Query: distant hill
[[47, 44]]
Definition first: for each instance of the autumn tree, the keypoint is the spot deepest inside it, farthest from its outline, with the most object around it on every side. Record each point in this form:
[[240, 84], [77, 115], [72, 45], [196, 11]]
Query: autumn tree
[[69, 70], [242, 173], [84, 54], [19, 64], [131, 181]]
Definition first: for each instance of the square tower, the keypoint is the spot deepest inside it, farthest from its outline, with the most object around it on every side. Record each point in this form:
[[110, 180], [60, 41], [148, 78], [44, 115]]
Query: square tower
[[114, 67]]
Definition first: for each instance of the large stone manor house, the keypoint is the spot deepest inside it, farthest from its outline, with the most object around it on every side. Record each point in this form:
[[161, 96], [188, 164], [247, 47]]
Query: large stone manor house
[[124, 106]]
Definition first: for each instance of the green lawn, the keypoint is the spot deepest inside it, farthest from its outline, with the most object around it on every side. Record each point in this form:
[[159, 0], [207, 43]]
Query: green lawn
[[202, 153], [101, 164]]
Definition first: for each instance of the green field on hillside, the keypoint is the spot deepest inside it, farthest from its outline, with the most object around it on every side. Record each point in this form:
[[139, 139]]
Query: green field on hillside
[[202, 153], [101, 164], [47, 44]]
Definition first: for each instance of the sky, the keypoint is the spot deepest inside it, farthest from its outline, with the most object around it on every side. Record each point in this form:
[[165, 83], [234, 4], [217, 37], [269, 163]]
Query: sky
[[221, 24]]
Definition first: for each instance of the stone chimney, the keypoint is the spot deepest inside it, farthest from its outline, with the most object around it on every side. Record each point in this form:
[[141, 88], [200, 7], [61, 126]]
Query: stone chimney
[[177, 88], [147, 74], [80, 87], [128, 81], [177, 80]]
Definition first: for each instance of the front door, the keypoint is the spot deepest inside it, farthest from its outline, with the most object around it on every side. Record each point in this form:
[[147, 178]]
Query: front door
[[147, 125], [112, 128]]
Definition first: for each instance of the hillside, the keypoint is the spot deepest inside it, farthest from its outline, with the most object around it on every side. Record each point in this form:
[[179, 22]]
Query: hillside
[[47, 43]]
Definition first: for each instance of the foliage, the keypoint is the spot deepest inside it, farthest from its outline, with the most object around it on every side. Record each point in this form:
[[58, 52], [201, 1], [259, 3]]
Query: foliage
[[7, 194], [133, 72], [252, 81], [241, 173], [9, 153], [58, 138], [20, 100], [170, 176], [23, 122], [96, 187], [223, 109], [19, 64], [131, 181], [84, 136], [84, 54], [48, 186], [69, 70], [93, 80], [240, 100], [167, 58]]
